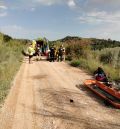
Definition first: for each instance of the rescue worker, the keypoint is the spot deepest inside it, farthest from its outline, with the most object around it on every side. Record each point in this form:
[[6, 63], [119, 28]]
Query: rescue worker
[[31, 52], [34, 44], [57, 54], [38, 52], [52, 53], [63, 53], [60, 53], [100, 75]]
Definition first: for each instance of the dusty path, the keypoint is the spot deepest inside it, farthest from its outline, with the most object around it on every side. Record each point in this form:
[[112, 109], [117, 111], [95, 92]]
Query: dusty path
[[40, 99]]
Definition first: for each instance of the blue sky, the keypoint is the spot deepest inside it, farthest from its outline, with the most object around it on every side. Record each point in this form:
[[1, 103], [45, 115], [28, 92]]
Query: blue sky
[[55, 19]]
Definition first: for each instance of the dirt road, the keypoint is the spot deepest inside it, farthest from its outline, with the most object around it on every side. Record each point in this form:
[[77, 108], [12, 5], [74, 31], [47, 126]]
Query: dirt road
[[40, 99]]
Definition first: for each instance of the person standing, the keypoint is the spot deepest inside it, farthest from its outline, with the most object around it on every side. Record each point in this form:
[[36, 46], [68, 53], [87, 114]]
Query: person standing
[[34, 44], [60, 54], [31, 52], [52, 53], [63, 53]]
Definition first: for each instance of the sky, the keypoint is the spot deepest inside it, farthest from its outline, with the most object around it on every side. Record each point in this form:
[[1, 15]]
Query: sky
[[56, 19]]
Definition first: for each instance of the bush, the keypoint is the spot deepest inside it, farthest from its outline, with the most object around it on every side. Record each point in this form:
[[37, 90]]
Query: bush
[[106, 58], [69, 58], [6, 38], [77, 50], [75, 63]]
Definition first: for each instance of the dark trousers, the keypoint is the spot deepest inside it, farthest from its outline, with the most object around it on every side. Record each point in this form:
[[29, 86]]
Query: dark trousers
[[30, 56], [52, 57]]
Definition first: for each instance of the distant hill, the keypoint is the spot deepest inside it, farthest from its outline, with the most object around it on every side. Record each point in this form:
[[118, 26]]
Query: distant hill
[[71, 40], [95, 43], [102, 43], [4, 38]]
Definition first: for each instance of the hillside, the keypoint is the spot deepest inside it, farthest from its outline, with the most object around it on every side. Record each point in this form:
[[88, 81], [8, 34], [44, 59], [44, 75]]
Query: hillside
[[95, 43]]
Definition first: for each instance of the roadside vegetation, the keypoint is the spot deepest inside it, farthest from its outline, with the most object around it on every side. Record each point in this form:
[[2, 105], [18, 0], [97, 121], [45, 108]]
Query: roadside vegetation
[[10, 61], [88, 59]]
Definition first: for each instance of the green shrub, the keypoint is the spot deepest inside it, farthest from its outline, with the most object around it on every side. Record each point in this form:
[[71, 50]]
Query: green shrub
[[6, 38], [69, 58], [75, 63], [77, 50]]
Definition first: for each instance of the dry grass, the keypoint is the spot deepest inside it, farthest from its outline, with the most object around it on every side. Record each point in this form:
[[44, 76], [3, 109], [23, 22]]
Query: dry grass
[[10, 61]]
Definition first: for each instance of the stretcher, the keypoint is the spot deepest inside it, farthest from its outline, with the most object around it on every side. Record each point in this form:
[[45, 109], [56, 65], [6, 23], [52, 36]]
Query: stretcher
[[110, 95]]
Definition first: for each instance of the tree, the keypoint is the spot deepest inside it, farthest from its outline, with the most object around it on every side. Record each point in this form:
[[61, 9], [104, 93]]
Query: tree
[[6, 38]]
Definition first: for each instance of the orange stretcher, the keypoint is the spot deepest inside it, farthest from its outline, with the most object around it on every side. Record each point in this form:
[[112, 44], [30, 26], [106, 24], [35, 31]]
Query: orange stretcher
[[110, 95]]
